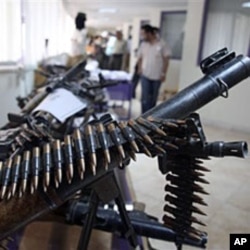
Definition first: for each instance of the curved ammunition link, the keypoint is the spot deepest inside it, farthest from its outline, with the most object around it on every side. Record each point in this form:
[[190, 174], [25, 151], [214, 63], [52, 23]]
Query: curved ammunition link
[[26, 135]]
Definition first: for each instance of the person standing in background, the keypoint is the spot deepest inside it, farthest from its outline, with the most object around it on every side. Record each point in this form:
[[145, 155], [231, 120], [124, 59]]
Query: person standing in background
[[119, 52], [79, 39], [99, 51], [153, 61]]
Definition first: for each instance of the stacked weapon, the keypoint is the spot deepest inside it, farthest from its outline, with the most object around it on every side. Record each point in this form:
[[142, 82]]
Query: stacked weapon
[[45, 171]]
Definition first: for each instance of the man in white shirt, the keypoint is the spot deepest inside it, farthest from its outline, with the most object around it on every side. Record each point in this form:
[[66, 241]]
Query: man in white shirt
[[78, 40], [118, 53], [153, 60]]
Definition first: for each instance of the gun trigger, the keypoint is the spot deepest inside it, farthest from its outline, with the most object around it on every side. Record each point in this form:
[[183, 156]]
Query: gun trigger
[[224, 88]]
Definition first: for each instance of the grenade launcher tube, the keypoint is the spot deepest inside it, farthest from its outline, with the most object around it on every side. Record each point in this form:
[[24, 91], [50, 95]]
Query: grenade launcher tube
[[204, 90]]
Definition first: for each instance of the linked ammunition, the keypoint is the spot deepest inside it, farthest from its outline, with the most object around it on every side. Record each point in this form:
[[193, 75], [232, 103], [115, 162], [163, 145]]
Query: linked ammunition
[[149, 125], [140, 131], [46, 165], [6, 176], [115, 137], [15, 173], [57, 163], [128, 135], [35, 169], [25, 171], [79, 146], [91, 144], [68, 158], [104, 143]]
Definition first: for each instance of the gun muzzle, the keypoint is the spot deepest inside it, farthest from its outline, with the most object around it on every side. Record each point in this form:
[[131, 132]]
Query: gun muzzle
[[221, 149]]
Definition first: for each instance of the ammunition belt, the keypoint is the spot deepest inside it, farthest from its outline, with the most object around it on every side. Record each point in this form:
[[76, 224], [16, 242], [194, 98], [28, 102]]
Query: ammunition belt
[[55, 164], [47, 163]]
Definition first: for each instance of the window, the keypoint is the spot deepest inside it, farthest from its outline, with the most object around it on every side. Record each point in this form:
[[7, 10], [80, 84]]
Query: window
[[45, 20], [26, 24], [10, 28], [226, 24], [172, 31]]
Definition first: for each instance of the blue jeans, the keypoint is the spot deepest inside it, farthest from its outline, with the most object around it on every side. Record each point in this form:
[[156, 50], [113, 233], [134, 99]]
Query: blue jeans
[[150, 90]]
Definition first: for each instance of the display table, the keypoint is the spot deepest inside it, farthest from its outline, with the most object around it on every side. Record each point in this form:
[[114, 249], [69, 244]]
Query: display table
[[118, 96]]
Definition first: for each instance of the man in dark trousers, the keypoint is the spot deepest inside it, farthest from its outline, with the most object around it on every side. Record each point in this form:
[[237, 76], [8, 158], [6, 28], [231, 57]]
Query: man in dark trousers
[[153, 64], [119, 51]]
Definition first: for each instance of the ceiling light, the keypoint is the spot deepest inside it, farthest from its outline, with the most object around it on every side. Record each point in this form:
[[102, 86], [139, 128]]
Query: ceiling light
[[246, 5], [107, 10]]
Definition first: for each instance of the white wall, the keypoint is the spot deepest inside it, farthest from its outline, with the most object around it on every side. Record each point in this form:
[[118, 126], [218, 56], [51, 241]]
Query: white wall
[[230, 113], [125, 30], [45, 20], [9, 90], [10, 27], [173, 74], [15, 81], [135, 40]]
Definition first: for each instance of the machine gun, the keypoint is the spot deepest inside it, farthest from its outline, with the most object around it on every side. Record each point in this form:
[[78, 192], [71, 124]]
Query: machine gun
[[49, 172], [52, 82], [89, 92], [75, 80], [184, 173]]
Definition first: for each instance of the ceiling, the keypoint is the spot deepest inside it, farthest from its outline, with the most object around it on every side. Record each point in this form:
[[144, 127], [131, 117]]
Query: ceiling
[[117, 11]]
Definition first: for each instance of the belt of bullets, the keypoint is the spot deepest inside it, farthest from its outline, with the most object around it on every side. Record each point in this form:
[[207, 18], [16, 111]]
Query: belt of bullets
[[183, 195], [54, 163], [52, 160]]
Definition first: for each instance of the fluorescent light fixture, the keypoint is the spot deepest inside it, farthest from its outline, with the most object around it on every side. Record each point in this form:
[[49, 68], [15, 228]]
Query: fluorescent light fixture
[[246, 5], [107, 10]]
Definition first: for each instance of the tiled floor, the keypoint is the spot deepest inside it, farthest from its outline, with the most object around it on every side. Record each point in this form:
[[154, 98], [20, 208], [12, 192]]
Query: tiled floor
[[228, 210]]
